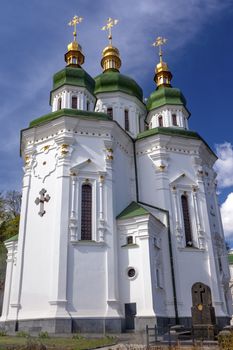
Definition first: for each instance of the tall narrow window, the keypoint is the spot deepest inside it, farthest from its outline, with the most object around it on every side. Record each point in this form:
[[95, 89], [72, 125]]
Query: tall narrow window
[[186, 218], [88, 105], [59, 103], [126, 120], [160, 120], [74, 104], [174, 119], [110, 112], [86, 212]]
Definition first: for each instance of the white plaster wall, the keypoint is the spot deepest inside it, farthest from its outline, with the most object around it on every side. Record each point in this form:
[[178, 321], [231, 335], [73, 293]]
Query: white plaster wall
[[121, 102], [166, 112], [66, 92], [191, 264]]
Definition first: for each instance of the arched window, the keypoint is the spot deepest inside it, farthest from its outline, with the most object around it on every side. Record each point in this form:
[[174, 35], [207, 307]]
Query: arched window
[[186, 218], [86, 212], [174, 120], [74, 104], [59, 103], [88, 105], [110, 112], [160, 120], [126, 120]]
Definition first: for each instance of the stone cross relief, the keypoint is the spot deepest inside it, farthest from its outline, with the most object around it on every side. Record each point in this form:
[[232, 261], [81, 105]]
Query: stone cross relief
[[41, 200]]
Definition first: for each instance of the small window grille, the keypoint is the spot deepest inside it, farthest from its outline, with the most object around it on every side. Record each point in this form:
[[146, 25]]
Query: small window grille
[[86, 212], [186, 219]]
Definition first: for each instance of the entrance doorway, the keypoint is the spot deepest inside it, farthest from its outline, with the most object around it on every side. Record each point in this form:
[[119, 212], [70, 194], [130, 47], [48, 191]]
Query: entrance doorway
[[130, 312]]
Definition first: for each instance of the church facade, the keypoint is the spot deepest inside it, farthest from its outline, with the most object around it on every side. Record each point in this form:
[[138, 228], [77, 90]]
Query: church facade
[[120, 225]]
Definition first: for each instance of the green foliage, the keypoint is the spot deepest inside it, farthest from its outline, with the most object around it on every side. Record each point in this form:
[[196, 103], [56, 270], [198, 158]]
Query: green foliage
[[9, 214], [22, 334], [225, 340], [3, 333], [43, 335], [77, 336]]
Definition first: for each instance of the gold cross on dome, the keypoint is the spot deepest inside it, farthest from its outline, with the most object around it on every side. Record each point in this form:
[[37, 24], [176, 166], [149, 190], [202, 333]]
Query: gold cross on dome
[[159, 42], [75, 20], [110, 23]]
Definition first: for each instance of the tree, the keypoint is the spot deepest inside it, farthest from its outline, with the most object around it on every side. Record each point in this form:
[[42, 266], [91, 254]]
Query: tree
[[9, 214]]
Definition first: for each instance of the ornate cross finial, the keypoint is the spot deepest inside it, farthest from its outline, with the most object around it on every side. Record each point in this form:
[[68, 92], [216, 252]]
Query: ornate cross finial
[[159, 42], [41, 200], [75, 20], [110, 23]]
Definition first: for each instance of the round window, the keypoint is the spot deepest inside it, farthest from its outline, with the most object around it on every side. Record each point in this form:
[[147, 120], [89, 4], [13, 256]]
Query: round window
[[131, 272]]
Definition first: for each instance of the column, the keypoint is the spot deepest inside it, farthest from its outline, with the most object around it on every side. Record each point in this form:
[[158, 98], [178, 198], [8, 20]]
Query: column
[[101, 223], [179, 235], [58, 299], [17, 281], [11, 249], [73, 214], [201, 239]]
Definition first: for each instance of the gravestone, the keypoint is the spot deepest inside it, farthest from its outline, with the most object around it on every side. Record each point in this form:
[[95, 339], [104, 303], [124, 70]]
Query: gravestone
[[203, 314]]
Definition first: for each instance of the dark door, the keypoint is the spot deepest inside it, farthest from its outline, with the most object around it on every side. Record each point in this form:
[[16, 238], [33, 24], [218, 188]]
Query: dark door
[[130, 312]]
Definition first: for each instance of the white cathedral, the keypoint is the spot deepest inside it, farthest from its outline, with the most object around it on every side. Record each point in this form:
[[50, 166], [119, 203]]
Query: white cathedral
[[120, 226]]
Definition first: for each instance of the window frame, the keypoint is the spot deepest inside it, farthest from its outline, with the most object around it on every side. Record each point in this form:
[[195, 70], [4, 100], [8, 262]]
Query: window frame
[[94, 183], [160, 121], [126, 119], [59, 103], [187, 224], [86, 235], [110, 109], [72, 100]]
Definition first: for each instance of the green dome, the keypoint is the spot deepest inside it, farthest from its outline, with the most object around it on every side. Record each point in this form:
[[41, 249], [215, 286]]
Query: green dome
[[73, 76], [165, 96], [111, 81]]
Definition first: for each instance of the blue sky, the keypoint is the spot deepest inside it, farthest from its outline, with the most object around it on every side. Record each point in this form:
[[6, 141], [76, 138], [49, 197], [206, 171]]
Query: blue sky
[[33, 39]]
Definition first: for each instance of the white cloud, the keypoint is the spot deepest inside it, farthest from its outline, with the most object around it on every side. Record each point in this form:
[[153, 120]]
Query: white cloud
[[227, 216], [224, 165]]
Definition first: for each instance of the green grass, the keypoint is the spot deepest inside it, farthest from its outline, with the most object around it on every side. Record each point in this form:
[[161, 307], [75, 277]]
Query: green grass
[[75, 343]]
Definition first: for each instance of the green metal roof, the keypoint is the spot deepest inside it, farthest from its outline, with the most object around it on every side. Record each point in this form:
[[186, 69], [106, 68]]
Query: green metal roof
[[230, 258], [73, 76], [75, 113], [173, 132], [112, 80], [134, 209], [164, 95], [12, 239]]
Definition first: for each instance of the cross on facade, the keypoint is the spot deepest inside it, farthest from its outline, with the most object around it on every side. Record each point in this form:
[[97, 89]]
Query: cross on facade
[[41, 200], [200, 292]]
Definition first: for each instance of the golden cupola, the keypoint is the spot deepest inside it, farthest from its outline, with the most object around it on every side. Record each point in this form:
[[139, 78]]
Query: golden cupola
[[74, 56], [110, 54], [163, 76]]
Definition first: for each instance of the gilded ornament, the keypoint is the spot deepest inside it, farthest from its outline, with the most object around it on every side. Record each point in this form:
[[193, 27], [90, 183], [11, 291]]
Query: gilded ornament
[[110, 23]]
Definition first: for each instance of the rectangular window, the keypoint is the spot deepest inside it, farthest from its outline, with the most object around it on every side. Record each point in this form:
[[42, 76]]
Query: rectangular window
[[86, 212], [110, 112], [126, 120], [74, 102], [174, 119], [160, 120]]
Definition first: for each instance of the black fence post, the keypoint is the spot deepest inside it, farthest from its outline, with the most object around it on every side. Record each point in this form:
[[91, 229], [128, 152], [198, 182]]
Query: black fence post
[[147, 337]]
